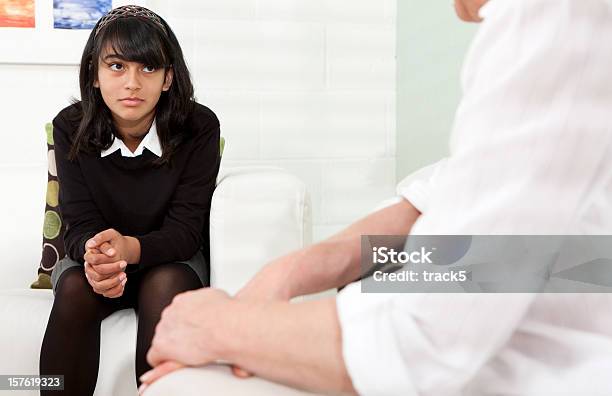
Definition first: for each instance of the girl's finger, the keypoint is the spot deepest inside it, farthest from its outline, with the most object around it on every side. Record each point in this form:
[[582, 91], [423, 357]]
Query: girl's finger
[[98, 258], [90, 271], [89, 253], [109, 269], [107, 285], [116, 291], [107, 249], [92, 276], [89, 279], [104, 236]]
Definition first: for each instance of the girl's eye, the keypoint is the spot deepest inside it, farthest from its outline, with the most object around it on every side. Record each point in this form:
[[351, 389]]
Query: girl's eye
[[116, 66], [148, 69]]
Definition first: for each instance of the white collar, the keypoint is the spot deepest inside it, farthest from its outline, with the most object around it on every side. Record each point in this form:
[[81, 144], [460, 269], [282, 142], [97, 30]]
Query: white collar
[[150, 142]]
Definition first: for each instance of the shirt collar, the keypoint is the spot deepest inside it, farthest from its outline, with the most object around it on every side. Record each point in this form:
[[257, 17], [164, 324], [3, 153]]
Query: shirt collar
[[150, 142]]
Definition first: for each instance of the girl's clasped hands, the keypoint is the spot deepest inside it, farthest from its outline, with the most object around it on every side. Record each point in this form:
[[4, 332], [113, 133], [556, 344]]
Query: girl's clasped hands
[[106, 259]]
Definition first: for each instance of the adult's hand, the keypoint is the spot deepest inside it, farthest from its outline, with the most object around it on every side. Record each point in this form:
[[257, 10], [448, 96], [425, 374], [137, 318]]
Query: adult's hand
[[153, 375], [186, 335]]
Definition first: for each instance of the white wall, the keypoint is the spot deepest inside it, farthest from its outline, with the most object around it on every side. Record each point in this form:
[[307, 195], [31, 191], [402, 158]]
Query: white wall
[[308, 85], [431, 45], [30, 96]]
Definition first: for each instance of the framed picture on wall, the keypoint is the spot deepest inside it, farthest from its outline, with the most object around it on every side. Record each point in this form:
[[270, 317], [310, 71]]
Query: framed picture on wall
[[49, 31]]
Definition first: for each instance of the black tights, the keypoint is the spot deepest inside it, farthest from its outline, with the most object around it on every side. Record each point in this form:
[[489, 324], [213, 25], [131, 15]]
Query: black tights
[[71, 346]]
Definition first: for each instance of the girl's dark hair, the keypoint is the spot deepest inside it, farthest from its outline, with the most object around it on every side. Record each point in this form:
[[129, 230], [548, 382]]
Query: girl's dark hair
[[140, 40]]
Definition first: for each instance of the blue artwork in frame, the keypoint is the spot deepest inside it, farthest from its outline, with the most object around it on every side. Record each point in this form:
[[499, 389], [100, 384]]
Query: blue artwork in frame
[[79, 14]]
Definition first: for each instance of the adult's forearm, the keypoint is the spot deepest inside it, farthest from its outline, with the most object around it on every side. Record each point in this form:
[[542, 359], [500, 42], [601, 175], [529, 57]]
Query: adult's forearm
[[295, 344], [326, 265], [335, 262]]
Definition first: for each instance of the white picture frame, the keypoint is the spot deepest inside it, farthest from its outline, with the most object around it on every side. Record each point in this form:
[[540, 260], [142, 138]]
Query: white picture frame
[[43, 44]]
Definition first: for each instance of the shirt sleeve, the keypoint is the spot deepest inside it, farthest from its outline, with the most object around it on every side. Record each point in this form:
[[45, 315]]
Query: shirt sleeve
[[185, 224], [80, 214], [422, 344], [531, 145], [418, 186]]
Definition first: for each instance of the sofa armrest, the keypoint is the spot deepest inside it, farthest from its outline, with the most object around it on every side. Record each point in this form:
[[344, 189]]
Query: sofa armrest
[[257, 214]]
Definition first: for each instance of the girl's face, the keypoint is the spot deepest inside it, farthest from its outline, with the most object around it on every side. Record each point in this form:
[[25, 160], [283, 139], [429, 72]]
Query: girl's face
[[130, 90]]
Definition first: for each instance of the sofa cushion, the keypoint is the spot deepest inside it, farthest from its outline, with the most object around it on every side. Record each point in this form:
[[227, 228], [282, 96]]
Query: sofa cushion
[[26, 312]]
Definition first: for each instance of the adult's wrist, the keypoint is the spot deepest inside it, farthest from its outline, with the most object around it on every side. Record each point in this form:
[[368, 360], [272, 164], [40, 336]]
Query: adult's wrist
[[326, 265], [286, 274], [298, 270], [229, 340]]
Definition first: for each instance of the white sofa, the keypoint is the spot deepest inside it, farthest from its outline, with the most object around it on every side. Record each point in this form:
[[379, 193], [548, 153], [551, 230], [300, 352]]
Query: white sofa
[[257, 214]]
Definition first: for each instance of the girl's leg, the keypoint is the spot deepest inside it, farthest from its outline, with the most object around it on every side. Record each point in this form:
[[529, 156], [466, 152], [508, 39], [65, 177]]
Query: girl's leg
[[71, 346], [158, 286]]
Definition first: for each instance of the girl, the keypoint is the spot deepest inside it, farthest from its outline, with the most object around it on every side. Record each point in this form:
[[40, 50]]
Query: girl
[[137, 160]]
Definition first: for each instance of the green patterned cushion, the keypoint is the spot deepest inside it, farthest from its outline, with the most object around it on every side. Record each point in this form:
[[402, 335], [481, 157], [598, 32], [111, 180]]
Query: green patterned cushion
[[221, 146], [53, 228]]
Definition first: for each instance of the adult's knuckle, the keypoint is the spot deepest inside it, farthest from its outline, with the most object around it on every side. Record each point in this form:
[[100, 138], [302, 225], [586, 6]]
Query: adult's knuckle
[[159, 328], [156, 339]]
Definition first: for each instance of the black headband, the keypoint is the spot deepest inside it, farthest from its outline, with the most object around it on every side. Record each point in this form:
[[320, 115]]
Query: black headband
[[130, 11]]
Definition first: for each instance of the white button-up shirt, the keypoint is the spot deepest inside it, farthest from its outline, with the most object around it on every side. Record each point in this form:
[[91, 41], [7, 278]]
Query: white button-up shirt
[[150, 142], [531, 153]]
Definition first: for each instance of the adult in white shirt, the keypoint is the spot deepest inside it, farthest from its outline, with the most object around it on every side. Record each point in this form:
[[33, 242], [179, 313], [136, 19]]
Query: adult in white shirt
[[531, 153]]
